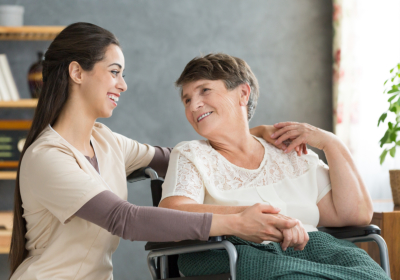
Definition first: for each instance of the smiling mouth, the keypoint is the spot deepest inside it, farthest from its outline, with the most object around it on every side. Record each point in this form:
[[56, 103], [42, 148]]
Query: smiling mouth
[[204, 116], [113, 98]]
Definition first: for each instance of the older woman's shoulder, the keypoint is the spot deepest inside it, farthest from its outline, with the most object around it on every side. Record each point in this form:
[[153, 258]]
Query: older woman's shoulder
[[276, 153], [194, 144]]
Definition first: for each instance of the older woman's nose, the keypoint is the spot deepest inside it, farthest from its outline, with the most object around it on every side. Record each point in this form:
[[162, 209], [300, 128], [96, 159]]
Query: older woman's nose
[[196, 104]]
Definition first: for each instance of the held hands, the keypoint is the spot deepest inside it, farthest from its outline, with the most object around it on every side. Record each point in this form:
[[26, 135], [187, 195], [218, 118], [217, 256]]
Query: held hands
[[301, 134], [262, 222], [296, 237]]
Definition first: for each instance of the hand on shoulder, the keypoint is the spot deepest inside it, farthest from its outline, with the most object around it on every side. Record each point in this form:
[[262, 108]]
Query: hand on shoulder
[[302, 134]]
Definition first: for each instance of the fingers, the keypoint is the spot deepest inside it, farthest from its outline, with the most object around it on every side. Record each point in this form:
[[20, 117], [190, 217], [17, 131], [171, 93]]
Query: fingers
[[290, 134], [287, 238], [298, 150], [306, 238], [272, 234], [283, 130], [267, 209], [297, 142], [283, 124], [305, 149], [284, 223], [298, 237]]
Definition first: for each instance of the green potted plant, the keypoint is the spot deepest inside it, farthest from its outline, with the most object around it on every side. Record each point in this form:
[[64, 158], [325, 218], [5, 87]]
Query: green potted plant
[[389, 140]]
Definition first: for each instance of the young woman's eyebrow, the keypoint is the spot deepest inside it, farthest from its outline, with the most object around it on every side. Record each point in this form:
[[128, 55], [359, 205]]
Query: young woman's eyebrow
[[119, 65]]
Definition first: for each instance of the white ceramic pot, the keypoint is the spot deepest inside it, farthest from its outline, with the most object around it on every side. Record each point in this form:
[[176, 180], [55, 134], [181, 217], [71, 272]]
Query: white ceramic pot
[[11, 15]]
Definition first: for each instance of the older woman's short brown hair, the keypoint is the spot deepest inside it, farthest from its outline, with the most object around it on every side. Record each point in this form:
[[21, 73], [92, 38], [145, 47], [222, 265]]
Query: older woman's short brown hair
[[231, 70]]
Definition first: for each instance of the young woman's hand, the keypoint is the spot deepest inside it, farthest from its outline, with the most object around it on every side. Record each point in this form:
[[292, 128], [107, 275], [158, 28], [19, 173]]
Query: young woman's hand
[[260, 223], [266, 132], [296, 237], [301, 134]]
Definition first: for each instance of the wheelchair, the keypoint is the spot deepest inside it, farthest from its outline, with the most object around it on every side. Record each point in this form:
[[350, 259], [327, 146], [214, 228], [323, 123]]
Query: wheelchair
[[163, 256]]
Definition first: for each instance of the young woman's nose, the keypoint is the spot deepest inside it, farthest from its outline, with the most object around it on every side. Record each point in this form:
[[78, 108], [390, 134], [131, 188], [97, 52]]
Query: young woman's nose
[[121, 85]]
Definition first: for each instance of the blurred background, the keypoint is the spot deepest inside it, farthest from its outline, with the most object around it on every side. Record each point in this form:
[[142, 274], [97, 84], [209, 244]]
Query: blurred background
[[290, 46]]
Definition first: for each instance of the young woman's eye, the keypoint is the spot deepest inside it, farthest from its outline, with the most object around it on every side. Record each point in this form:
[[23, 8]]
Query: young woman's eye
[[115, 72]]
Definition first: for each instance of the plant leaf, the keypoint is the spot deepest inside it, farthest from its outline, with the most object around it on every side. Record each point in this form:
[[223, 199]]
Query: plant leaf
[[390, 125], [392, 97], [393, 108], [382, 118], [384, 138], [385, 82], [391, 70], [392, 151], [393, 136], [393, 91], [382, 157]]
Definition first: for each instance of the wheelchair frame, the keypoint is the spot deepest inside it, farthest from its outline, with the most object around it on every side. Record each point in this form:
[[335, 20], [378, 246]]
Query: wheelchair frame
[[162, 250]]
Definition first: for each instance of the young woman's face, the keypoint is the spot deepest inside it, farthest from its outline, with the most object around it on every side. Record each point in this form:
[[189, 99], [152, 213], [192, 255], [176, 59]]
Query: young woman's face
[[102, 86]]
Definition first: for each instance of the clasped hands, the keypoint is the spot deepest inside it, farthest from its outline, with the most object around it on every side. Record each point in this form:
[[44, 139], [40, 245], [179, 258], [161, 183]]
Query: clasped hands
[[263, 223]]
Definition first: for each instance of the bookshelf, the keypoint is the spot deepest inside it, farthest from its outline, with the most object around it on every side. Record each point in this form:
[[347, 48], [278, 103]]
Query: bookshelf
[[32, 33], [8, 175], [22, 103], [22, 33], [6, 221]]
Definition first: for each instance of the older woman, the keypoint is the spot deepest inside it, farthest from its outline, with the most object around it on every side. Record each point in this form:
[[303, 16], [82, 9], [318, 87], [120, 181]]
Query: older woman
[[233, 170]]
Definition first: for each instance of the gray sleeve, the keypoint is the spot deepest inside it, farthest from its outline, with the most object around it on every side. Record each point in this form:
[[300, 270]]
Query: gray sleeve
[[142, 223], [160, 160]]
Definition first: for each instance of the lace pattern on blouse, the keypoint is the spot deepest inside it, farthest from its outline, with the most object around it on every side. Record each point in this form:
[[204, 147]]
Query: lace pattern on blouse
[[199, 164]]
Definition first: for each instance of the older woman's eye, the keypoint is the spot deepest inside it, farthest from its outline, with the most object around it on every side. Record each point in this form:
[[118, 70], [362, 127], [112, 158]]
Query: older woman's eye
[[205, 89], [187, 101]]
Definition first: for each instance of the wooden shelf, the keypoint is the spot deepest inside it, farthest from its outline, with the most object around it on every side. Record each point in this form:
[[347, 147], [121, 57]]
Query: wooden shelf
[[8, 175], [44, 33], [6, 220], [5, 241], [22, 103]]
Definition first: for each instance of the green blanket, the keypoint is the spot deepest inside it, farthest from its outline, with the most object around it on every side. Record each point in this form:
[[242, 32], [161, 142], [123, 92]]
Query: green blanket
[[324, 257]]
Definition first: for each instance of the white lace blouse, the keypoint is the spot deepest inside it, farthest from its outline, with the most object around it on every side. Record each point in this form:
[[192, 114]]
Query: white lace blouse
[[292, 183]]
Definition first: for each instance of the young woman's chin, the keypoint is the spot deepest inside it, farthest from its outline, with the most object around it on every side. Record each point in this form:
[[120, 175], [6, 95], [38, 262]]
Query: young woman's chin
[[106, 113]]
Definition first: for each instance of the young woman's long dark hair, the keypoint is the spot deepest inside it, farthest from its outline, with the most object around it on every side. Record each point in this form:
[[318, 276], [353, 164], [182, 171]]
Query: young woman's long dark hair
[[86, 44]]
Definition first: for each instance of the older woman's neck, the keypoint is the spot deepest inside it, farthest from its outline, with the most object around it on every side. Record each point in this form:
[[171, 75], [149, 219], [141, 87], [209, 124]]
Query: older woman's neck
[[239, 147]]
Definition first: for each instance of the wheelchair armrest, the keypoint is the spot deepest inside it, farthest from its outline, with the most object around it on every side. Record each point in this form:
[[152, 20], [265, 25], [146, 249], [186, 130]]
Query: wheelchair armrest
[[142, 174], [352, 231], [166, 245]]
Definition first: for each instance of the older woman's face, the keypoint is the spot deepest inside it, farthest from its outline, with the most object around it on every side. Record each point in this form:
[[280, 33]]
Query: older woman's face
[[211, 108]]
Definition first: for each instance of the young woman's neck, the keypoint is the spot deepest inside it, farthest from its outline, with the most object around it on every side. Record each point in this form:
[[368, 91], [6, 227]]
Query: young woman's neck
[[75, 125]]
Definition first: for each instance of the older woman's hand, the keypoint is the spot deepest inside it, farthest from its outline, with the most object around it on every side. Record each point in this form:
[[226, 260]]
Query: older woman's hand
[[266, 132], [257, 224], [301, 134], [296, 237]]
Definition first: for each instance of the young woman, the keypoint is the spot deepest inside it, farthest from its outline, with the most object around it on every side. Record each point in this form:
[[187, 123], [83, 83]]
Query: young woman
[[70, 200]]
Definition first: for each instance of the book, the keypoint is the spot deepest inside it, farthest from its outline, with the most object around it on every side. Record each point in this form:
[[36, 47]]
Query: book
[[8, 77], [4, 96]]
